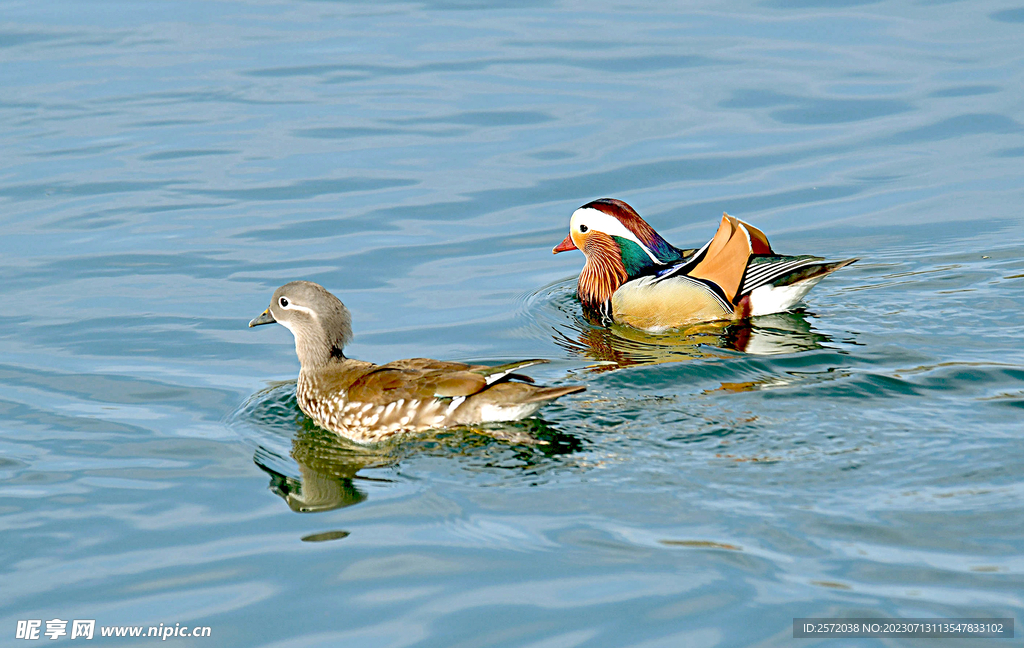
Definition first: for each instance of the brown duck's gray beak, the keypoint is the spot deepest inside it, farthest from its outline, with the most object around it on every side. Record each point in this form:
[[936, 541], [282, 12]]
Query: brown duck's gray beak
[[264, 318]]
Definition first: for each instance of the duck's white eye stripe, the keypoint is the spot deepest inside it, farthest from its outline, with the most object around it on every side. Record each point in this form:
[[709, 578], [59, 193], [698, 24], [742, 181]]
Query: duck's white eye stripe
[[296, 307], [598, 220]]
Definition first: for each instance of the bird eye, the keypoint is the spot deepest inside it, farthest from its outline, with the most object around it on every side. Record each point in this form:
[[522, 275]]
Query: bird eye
[[583, 228], [284, 302]]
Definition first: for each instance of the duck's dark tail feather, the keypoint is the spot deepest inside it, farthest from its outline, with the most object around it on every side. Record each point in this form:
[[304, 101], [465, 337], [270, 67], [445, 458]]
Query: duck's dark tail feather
[[551, 393], [812, 272], [505, 394], [786, 270]]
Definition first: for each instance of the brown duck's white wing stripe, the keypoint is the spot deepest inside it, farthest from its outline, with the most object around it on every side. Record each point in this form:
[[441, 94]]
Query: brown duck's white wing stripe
[[760, 274], [504, 370], [454, 405]]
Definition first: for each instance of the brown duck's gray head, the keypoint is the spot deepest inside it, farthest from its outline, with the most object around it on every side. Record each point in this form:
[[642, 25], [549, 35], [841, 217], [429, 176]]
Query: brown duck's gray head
[[319, 321]]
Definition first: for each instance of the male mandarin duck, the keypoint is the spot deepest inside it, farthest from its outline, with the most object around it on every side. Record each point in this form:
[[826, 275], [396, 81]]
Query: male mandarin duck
[[633, 276], [365, 402]]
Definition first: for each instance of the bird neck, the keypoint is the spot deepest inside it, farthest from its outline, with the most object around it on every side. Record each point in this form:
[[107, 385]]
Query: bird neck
[[635, 260], [638, 261], [316, 350], [604, 271]]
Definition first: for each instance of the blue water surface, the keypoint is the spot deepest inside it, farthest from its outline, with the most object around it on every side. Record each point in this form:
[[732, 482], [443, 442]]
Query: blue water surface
[[167, 165]]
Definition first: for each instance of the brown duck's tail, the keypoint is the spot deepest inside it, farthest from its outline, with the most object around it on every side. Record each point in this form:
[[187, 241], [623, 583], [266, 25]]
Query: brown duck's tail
[[551, 393], [508, 401], [510, 393]]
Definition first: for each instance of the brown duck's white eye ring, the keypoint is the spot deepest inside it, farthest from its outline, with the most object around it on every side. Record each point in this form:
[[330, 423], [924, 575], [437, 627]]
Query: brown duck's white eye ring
[[583, 228], [284, 302]]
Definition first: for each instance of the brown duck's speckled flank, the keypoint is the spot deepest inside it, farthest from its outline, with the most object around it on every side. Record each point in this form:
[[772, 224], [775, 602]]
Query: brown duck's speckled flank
[[367, 402]]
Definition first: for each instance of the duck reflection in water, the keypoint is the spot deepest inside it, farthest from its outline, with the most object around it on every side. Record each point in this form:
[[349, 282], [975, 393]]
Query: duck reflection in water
[[322, 471], [326, 473], [620, 346]]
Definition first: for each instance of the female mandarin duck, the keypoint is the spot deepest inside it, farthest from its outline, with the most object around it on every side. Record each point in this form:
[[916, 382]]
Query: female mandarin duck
[[635, 277], [366, 402]]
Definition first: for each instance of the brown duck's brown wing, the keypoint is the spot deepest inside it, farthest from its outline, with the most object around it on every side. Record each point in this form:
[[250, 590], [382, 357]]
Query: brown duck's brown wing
[[399, 380], [382, 385], [491, 373], [428, 364], [728, 254], [423, 379]]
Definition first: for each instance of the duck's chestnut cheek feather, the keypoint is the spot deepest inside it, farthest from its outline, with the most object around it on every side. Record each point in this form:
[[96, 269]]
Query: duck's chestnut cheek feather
[[565, 245]]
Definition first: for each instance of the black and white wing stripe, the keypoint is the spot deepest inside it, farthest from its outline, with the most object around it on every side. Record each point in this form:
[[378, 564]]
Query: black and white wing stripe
[[764, 270], [684, 266]]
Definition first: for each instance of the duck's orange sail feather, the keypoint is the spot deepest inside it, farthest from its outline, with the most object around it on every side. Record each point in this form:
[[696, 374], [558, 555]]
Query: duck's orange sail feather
[[729, 253]]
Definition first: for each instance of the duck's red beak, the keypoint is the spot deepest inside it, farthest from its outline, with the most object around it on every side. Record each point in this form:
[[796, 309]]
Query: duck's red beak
[[565, 245]]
